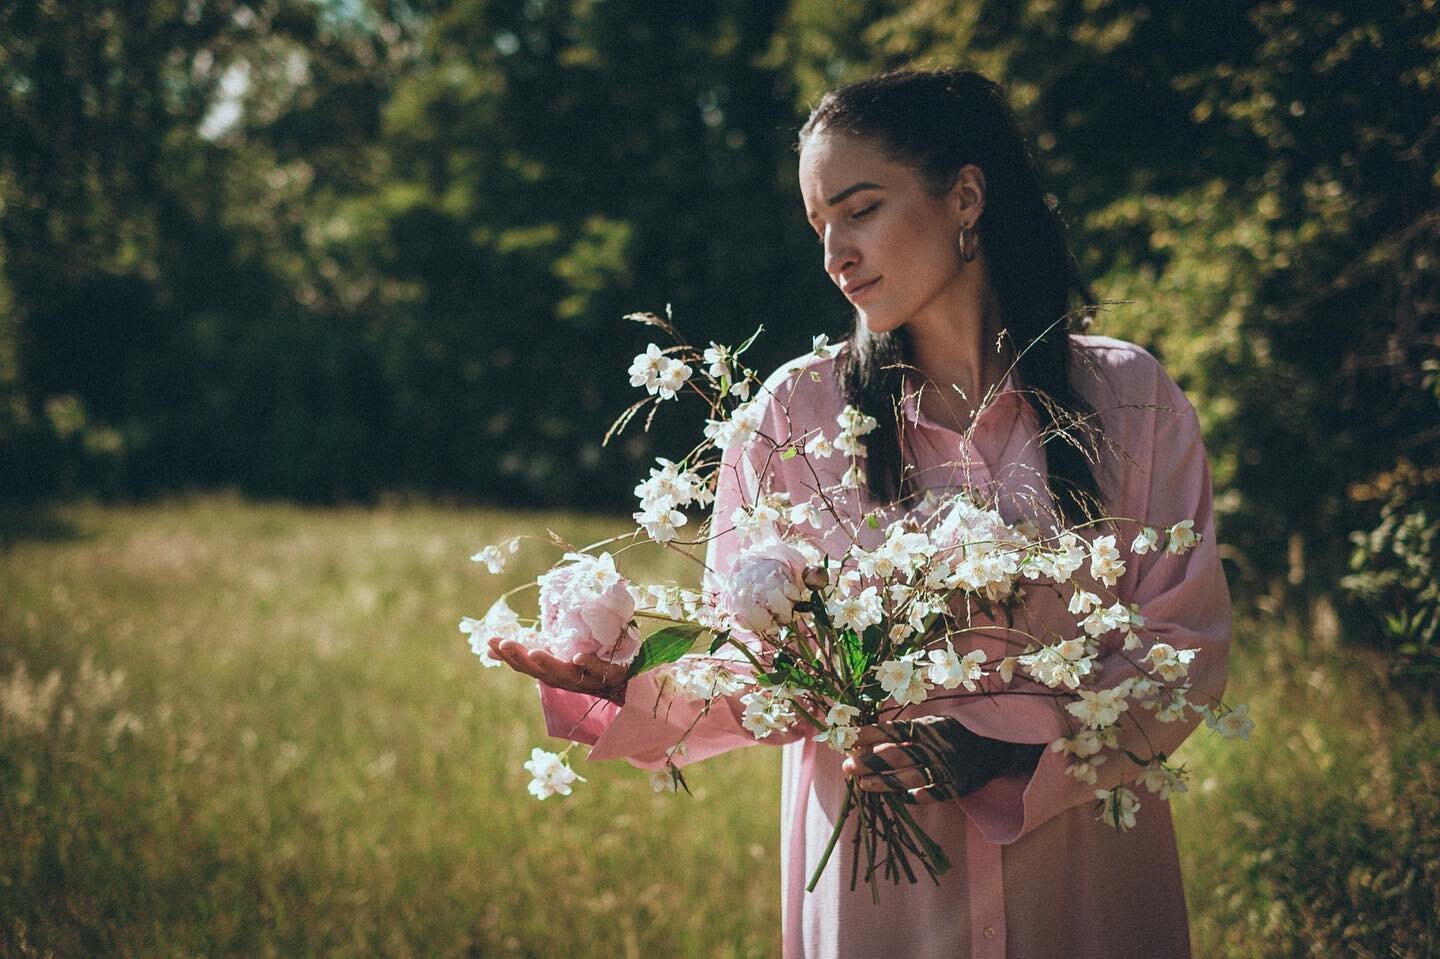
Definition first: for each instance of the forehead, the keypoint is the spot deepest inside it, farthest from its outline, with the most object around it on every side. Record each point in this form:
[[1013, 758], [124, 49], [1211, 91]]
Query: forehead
[[830, 162]]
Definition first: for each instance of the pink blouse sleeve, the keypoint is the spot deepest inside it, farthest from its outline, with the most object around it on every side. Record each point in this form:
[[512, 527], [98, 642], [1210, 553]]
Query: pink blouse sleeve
[[1186, 604], [651, 722]]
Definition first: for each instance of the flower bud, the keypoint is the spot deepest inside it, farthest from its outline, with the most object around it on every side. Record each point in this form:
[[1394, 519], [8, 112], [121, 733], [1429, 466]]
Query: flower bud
[[815, 577]]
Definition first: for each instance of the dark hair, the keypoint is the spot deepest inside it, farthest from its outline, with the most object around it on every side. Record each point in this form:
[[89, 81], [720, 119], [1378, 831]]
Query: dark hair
[[936, 123]]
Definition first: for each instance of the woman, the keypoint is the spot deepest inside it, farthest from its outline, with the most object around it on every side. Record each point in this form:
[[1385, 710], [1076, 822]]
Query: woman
[[935, 227]]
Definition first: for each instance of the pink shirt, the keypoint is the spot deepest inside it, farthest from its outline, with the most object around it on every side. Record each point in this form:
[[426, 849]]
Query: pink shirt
[[1034, 873]]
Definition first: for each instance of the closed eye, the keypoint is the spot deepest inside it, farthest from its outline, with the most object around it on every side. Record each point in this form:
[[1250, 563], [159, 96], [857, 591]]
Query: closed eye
[[861, 214]]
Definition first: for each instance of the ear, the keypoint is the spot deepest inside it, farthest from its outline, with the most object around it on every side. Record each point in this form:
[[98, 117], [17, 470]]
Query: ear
[[967, 194]]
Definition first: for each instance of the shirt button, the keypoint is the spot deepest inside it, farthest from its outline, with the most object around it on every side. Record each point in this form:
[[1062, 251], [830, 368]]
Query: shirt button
[[989, 932]]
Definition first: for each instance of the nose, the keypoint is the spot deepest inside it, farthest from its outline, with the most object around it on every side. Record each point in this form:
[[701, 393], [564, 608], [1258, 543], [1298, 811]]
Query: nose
[[840, 255]]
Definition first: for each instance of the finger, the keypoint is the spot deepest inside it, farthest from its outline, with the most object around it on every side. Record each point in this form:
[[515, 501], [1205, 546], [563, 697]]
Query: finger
[[871, 736], [900, 755], [924, 795], [557, 672], [539, 664], [515, 655], [901, 780], [610, 674]]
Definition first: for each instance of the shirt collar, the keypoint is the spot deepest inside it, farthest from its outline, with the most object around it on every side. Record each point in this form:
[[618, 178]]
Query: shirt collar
[[1006, 397]]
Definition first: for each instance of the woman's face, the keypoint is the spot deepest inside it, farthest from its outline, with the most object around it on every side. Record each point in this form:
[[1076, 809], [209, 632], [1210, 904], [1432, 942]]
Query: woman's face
[[889, 245]]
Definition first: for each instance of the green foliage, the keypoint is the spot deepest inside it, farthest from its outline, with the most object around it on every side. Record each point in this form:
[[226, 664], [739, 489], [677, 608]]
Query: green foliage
[[664, 646], [1321, 836], [1396, 575], [1256, 183], [328, 251]]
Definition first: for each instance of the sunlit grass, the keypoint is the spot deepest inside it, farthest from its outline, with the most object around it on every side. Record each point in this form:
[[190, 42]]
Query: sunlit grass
[[238, 729], [312, 762]]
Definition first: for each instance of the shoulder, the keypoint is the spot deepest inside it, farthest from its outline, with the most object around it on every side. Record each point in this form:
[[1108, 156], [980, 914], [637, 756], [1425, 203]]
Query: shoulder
[[806, 388], [1112, 372]]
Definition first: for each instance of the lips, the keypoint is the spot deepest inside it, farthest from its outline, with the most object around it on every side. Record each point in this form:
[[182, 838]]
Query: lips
[[860, 289]]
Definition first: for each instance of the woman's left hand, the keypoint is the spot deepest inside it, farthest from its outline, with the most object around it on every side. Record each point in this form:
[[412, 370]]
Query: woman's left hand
[[928, 759]]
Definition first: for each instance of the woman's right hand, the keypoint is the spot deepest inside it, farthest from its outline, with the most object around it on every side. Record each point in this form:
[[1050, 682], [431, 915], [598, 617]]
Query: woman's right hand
[[586, 674]]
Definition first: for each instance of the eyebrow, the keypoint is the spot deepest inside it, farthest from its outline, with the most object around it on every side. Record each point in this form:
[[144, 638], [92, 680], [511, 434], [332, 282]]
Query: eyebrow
[[849, 190]]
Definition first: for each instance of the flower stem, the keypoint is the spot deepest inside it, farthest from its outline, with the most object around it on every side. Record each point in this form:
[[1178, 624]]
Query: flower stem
[[834, 837]]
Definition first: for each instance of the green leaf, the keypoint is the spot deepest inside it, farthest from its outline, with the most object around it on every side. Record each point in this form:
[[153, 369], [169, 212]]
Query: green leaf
[[664, 646], [817, 607], [872, 521], [746, 345], [790, 453]]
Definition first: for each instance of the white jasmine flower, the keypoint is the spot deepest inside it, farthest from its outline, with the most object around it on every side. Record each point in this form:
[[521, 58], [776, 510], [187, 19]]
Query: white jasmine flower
[[1181, 536], [1103, 619], [1169, 703], [1133, 621], [949, 670], [1006, 669], [662, 781], [1082, 602], [1147, 541], [551, 776], [670, 486], [840, 738], [645, 370], [1086, 743], [493, 558], [743, 424], [850, 445], [1098, 709], [499, 622], [902, 680], [1063, 664], [672, 378], [1233, 724], [719, 359], [1119, 806], [660, 523], [853, 478], [709, 680], [858, 611], [741, 388], [822, 347], [1161, 781], [805, 514], [1105, 562], [819, 447], [1084, 770], [842, 731], [1169, 663], [1068, 557], [852, 421], [766, 711]]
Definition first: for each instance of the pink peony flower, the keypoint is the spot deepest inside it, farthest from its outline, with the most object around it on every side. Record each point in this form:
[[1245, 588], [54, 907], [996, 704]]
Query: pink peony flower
[[586, 607], [763, 587]]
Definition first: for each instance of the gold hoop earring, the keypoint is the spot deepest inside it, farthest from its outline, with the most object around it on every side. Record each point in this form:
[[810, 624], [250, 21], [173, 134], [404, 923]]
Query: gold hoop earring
[[967, 243]]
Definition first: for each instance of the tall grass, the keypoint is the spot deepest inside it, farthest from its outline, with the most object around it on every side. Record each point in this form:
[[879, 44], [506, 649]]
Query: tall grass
[[237, 729]]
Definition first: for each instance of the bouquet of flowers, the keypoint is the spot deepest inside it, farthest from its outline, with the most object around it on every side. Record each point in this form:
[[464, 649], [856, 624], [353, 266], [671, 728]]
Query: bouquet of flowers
[[809, 637]]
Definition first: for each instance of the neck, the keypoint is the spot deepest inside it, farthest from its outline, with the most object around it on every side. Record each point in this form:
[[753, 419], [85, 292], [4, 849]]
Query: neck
[[954, 350]]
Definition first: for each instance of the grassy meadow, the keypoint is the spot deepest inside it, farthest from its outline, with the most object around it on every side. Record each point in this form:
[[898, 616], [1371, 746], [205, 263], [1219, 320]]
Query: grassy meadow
[[240, 729]]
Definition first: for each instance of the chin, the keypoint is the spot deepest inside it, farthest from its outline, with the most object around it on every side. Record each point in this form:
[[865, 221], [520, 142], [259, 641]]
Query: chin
[[879, 322]]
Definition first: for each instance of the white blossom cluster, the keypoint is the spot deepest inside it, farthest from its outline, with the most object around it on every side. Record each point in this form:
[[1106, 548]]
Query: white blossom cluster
[[551, 775], [835, 639], [658, 373], [670, 489]]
